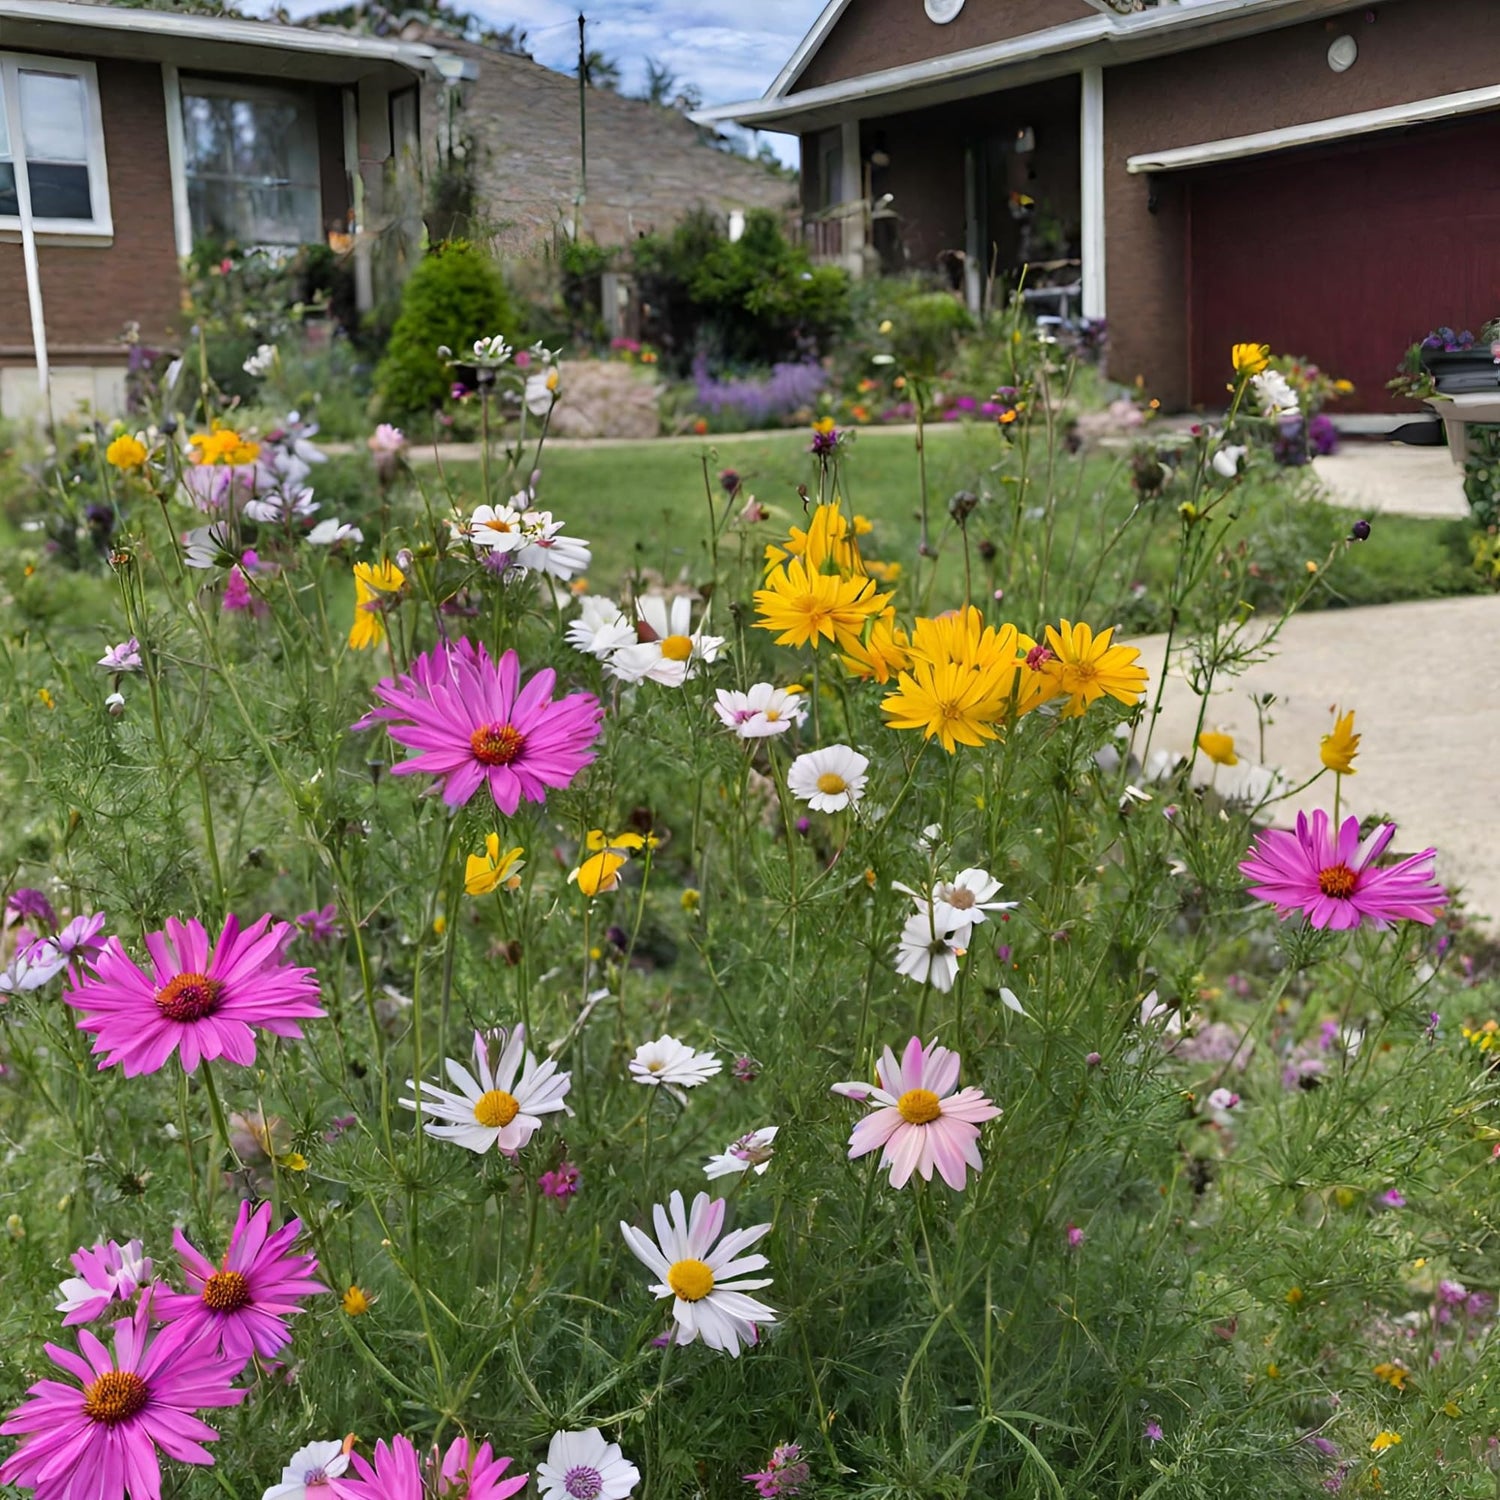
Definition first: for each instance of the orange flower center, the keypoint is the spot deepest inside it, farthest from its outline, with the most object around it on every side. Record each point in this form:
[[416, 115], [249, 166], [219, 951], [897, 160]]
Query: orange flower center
[[1337, 881], [919, 1106], [189, 997], [692, 1280], [226, 1292], [496, 1109], [677, 647], [116, 1396], [497, 744]]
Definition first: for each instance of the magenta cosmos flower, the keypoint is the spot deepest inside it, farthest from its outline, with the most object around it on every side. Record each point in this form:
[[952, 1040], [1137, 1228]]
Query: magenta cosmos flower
[[99, 1438], [1335, 880], [918, 1118], [241, 1306], [465, 1472], [198, 1003], [471, 722]]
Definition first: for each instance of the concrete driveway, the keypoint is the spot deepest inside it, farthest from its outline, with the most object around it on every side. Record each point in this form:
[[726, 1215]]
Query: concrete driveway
[[1424, 680], [1378, 478]]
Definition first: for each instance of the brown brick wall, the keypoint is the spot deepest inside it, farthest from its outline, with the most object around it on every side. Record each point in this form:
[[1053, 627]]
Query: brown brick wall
[[1411, 49], [90, 293], [873, 35]]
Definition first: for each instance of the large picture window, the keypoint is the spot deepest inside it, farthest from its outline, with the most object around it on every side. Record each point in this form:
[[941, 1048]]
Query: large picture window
[[251, 159], [52, 145]]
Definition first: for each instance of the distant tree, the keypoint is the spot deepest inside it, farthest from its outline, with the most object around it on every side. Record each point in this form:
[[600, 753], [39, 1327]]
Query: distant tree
[[661, 82], [599, 71], [441, 15]]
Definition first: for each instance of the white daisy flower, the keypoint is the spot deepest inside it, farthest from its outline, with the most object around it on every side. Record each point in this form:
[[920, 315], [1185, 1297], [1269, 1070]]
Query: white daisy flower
[[282, 507], [1154, 1012], [763, 710], [207, 547], [1274, 393], [542, 388], [331, 532], [929, 954], [963, 901], [493, 528], [707, 1284], [751, 1152], [546, 551], [601, 627], [494, 1109], [306, 1476], [582, 1466], [668, 1061], [828, 780], [669, 649]]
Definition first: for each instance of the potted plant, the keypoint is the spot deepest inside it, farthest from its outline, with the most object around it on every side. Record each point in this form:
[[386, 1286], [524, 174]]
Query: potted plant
[[1458, 362]]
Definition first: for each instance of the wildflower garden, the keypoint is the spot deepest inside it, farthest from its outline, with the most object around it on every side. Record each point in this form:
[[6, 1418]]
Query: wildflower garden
[[482, 1013]]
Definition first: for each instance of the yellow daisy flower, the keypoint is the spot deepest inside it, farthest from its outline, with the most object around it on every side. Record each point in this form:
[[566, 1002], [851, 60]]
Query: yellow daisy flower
[[1085, 667], [126, 452], [1250, 359], [1339, 748], [881, 654], [1219, 748], [952, 701], [808, 607], [484, 872]]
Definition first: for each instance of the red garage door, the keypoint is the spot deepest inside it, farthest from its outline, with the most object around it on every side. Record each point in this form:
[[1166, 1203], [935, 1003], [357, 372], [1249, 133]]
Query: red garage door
[[1345, 255]]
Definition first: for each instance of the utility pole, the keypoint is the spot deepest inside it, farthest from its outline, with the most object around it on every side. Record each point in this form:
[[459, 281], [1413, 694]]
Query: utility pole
[[583, 131]]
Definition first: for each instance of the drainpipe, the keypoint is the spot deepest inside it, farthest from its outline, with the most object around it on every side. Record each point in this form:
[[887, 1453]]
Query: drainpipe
[[29, 255], [1091, 177]]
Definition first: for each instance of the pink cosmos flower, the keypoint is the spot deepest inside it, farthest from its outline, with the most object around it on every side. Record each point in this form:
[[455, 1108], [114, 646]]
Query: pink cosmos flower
[[199, 1003], [100, 1437], [1335, 880], [465, 1472], [242, 1305], [918, 1119], [106, 1273], [471, 722]]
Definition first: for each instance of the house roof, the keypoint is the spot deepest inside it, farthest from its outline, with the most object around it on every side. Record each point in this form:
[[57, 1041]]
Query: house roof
[[264, 48], [1098, 40]]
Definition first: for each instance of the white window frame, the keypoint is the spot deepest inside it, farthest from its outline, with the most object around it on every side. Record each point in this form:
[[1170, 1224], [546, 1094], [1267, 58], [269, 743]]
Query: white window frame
[[208, 86], [100, 229]]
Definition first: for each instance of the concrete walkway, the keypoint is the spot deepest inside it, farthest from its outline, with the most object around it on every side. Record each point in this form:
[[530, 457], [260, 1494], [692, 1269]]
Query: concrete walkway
[[1378, 478], [1420, 678]]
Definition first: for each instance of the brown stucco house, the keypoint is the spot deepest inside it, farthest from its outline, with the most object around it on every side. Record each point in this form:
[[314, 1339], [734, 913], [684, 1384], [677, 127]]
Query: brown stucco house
[[125, 135], [1309, 173]]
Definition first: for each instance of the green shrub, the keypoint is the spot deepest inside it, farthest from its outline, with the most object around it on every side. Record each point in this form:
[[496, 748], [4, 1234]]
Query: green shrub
[[454, 296], [926, 328]]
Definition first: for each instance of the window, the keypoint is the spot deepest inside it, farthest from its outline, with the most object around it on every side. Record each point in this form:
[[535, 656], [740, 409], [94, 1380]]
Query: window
[[52, 145], [251, 159]]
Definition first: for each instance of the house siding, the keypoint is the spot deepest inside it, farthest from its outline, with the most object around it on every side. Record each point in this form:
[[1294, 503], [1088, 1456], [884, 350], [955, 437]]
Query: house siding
[[873, 35], [1408, 49], [91, 292]]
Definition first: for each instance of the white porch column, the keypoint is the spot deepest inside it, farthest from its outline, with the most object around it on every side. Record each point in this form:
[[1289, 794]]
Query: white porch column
[[182, 219], [1091, 177], [975, 268], [16, 137], [851, 197]]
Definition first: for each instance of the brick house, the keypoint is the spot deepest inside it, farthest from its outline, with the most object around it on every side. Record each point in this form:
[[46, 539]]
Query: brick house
[[125, 135], [1308, 173], [648, 165]]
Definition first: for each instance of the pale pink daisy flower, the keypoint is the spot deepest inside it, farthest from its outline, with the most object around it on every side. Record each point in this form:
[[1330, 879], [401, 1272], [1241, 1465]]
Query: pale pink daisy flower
[[918, 1120], [310, 1472], [106, 1273], [760, 711]]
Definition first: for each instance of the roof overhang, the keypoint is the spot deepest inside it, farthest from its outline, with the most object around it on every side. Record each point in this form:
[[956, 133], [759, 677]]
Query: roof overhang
[[1101, 40], [214, 44]]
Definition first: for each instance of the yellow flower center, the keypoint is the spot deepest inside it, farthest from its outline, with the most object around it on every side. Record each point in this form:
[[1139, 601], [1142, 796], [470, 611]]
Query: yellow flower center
[[1337, 881], [226, 1291], [691, 1280], [677, 647], [356, 1301], [830, 783], [496, 1109], [116, 1396], [773, 716], [499, 523], [496, 744], [189, 997], [1083, 671], [919, 1106]]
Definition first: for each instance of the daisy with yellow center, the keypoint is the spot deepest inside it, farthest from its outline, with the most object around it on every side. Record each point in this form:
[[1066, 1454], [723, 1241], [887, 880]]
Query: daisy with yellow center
[[372, 581], [486, 872], [1219, 748], [667, 648], [807, 608], [828, 780], [1085, 668], [705, 1272], [497, 1106]]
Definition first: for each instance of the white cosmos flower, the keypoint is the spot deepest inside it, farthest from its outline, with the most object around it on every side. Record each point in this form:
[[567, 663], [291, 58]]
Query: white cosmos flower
[[761, 711], [668, 1061], [494, 528], [929, 954], [1226, 462], [963, 901], [828, 780], [546, 551], [1155, 1013], [751, 1152], [207, 547], [306, 1476], [601, 627], [33, 967], [582, 1466], [331, 532], [707, 1282], [494, 1109], [542, 388], [280, 507], [670, 650]]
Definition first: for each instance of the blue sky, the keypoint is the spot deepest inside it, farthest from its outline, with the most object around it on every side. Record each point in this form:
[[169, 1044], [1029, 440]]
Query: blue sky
[[731, 49]]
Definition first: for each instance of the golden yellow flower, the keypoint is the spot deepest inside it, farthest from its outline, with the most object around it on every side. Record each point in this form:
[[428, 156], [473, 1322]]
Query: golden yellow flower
[[884, 572], [371, 580], [223, 445], [600, 873], [827, 546], [1394, 1375], [1339, 748], [1219, 748], [690, 900], [385, 577], [484, 872], [1343, 387], [439, 925], [1384, 1440], [126, 452], [45, 698], [357, 1301], [956, 703], [881, 654], [823, 425], [807, 607], [1250, 359], [863, 526], [1085, 667], [1294, 1296]]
